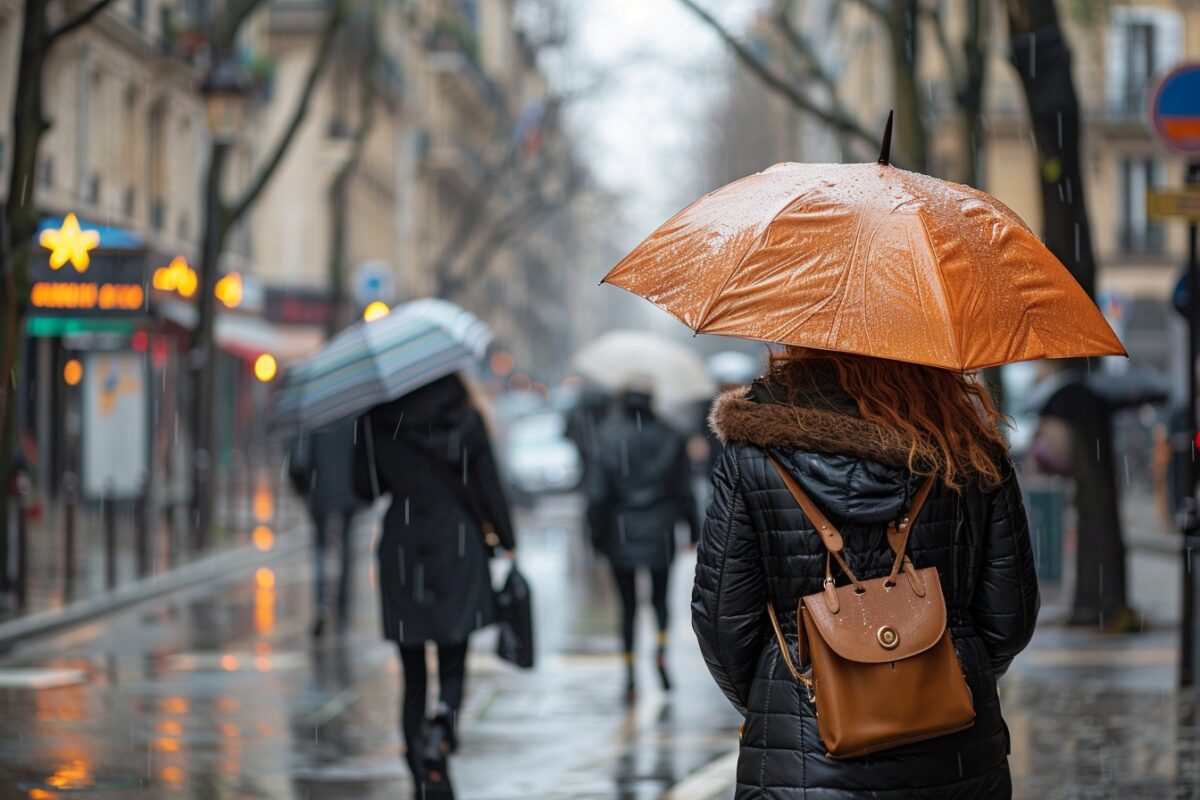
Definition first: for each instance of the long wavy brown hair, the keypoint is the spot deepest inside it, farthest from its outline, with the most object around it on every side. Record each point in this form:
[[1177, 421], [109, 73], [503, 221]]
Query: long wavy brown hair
[[949, 420]]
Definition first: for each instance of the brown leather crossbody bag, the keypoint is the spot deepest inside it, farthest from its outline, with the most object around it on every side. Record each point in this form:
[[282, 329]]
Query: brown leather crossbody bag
[[884, 672]]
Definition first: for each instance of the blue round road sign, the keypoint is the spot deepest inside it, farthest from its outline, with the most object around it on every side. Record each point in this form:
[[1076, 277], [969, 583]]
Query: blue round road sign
[[1175, 109]]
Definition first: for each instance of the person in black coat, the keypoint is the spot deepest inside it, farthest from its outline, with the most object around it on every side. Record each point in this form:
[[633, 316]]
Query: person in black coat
[[430, 451], [638, 487], [320, 465], [858, 435]]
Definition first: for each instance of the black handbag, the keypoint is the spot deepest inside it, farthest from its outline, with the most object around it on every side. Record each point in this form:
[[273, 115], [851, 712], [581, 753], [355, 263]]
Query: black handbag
[[514, 615]]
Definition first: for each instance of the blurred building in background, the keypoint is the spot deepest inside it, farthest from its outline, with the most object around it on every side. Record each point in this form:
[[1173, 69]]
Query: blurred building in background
[[1118, 48], [430, 160]]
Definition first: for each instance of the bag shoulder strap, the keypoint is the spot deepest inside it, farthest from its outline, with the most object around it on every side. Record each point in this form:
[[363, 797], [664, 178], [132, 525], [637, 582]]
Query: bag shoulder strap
[[898, 531]]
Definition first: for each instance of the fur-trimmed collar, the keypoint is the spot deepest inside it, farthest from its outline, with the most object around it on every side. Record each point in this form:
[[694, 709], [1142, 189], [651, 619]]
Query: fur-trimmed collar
[[736, 417]]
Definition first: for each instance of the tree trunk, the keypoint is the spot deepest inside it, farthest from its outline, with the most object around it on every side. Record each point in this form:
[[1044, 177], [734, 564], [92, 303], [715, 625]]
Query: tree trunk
[[1043, 61], [970, 98], [16, 243], [202, 354], [910, 127]]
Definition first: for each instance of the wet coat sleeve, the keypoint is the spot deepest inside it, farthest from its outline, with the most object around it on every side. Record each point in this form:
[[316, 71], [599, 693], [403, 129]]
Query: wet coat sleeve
[[1006, 600], [729, 595], [484, 477], [684, 496]]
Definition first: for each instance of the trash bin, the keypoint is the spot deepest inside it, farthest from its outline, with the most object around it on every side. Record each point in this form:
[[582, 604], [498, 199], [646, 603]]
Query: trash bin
[[1046, 507]]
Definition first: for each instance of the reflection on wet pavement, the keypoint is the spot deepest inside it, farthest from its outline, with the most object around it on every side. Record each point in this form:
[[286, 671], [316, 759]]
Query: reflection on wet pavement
[[218, 692]]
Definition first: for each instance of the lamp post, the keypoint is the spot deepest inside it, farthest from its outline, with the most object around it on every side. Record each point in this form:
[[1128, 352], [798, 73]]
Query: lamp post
[[224, 92]]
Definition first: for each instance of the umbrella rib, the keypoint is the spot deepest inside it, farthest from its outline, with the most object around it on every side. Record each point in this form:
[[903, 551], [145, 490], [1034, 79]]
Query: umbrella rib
[[942, 297], [752, 248]]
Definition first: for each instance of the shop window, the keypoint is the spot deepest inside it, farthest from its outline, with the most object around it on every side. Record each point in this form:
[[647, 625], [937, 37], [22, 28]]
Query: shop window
[[1137, 234]]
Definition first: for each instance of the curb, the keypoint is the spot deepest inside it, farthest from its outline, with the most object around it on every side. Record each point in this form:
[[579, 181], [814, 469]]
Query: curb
[[221, 564]]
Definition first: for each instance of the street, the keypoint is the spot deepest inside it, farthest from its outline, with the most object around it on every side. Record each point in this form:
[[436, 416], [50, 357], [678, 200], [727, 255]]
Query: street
[[218, 692]]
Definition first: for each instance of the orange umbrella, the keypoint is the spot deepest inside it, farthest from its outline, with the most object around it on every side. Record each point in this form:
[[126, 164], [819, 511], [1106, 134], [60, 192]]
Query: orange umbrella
[[868, 259]]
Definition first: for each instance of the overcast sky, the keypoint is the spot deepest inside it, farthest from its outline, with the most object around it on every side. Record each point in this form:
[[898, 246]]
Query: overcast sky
[[659, 69]]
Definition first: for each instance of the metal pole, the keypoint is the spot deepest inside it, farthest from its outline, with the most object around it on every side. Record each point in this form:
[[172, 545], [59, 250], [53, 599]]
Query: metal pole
[[110, 542], [142, 530], [1190, 517], [70, 502], [24, 498]]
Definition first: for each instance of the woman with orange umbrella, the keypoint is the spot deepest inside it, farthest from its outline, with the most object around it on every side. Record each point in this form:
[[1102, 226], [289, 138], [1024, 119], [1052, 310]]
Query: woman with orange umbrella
[[866, 451]]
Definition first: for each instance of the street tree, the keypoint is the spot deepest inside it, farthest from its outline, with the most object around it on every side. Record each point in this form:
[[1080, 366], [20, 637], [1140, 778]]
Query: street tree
[[1042, 59], [221, 215], [361, 50], [40, 34]]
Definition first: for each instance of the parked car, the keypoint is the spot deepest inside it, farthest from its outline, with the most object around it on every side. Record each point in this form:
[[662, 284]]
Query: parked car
[[538, 456]]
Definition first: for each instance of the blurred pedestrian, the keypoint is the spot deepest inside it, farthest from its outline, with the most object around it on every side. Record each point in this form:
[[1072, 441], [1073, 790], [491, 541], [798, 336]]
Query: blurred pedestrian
[[859, 434], [583, 423], [320, 465], [430, 451], [638, 488]]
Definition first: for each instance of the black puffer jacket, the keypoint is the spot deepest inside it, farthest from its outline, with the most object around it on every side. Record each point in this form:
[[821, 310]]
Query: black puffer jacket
[[638, 487], [758, 547]]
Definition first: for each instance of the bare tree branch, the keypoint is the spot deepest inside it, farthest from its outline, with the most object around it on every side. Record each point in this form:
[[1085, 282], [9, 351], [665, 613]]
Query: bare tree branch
[[236, 13], [77, 21], [803, 47], [838, 121], [874, 8], [954, 67], [232, 213]]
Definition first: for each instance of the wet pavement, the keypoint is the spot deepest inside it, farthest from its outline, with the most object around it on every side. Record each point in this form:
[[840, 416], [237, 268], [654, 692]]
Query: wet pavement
[[219, 692]]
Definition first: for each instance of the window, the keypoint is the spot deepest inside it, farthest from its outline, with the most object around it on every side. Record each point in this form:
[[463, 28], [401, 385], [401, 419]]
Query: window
[[156, 165], [48, 171], [1137, 234], [1139, 65], [1142, 42], [139, 14]]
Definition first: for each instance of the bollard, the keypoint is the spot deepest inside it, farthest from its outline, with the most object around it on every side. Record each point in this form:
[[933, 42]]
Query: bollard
[[110, 542], [25, 496], [142, 532], [69, 508]]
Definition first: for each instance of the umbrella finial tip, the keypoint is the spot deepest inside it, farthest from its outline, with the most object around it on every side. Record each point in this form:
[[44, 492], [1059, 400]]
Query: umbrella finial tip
[[885, 149]]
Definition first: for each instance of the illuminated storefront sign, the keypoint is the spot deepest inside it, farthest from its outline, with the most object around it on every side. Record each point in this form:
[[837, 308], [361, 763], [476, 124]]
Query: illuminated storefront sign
[[108, 274], [178, 276], [69, 243], [87, 296]]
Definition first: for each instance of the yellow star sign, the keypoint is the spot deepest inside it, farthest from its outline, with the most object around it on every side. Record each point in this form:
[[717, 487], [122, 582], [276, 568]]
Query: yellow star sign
[[70, 243]]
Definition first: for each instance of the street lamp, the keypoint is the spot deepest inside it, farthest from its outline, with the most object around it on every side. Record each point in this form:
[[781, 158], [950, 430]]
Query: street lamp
[[225, 92]]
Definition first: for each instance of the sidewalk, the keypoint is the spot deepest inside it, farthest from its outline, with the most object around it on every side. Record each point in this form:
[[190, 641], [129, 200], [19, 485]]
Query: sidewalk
[[72, 591]]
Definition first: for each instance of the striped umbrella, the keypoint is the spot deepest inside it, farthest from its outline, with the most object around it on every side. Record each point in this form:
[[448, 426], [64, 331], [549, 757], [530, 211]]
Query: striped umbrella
[[374, 362]]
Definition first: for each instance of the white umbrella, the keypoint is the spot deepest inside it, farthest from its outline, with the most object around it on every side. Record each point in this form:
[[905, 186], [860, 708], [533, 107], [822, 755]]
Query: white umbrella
[[734, 367], [619, 359]]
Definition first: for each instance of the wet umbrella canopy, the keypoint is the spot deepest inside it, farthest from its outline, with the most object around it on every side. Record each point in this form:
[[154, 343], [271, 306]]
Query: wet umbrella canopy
[[372, 362], [869, 259], [619, 359]]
